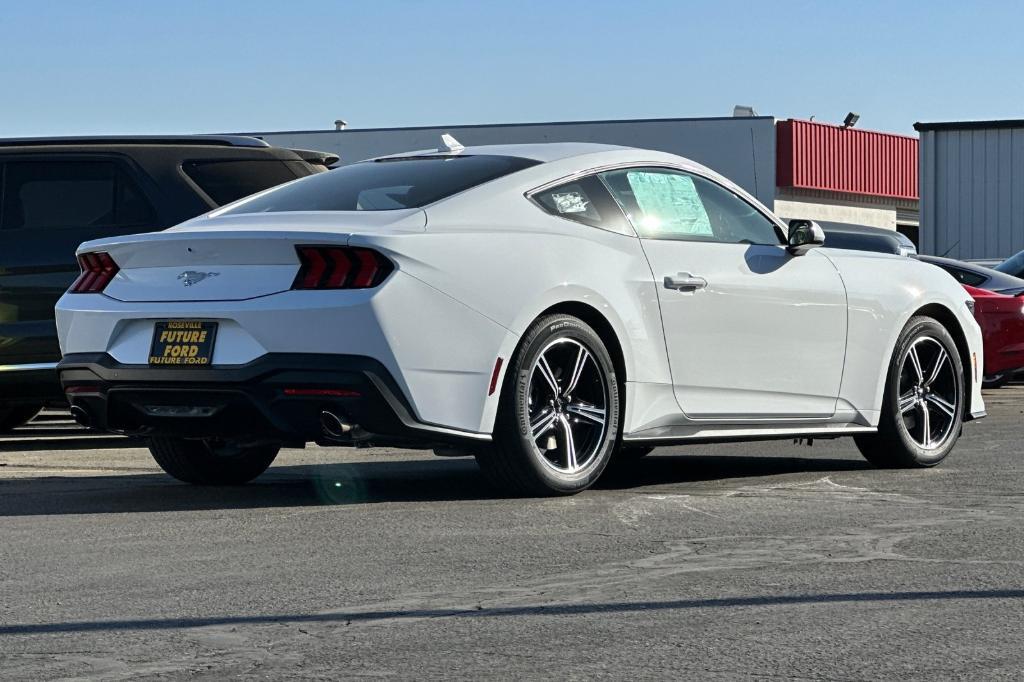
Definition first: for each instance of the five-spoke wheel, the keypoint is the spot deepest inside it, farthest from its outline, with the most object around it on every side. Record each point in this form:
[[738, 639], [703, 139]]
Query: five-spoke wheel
[[928, 392], [922, 407], [558, 420], [567, 404]]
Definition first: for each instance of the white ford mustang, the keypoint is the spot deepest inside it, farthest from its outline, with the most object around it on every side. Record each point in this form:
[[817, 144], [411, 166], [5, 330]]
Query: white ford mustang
[[543, 307]]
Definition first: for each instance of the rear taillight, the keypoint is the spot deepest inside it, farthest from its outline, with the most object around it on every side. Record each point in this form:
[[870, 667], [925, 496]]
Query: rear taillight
[[98, 268], [340, 267]]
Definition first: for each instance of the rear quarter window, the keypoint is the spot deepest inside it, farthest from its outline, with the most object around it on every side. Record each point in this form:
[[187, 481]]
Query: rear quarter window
[[586, 201]]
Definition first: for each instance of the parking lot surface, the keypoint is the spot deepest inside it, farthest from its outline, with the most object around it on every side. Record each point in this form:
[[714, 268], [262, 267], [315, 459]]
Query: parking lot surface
[[763, 560]]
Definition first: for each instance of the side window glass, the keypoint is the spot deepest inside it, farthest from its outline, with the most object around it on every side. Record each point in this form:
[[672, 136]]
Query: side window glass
[[661, 204], [733, 219], [71, 194], [585, 201], [666, 204]]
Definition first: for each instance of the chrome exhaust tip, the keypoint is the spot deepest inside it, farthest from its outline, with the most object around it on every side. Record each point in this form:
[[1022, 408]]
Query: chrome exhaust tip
[[81, 416], [333, 425]]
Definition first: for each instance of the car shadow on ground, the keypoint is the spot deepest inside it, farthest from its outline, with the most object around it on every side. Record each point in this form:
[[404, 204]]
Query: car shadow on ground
[[420, 480]]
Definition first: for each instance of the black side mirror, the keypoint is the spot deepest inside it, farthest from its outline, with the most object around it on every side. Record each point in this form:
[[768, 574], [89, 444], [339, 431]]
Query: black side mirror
[[804, 235]]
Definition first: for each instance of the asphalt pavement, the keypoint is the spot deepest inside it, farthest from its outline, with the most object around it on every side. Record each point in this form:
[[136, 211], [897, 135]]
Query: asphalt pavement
[[764, 560]]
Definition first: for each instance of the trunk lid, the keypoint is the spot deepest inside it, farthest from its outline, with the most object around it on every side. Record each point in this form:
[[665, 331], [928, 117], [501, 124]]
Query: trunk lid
[[233, 258]]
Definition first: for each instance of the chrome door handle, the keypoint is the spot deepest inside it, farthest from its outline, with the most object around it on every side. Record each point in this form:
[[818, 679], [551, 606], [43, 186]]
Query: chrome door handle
[[684, 281]]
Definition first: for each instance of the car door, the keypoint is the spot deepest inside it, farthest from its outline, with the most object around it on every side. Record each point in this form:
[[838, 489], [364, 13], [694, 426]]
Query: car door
[[51, 204], [752, 332]]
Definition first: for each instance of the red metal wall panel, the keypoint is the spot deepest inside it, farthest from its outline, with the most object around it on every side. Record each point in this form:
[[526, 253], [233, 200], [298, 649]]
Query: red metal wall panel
[[827, 157]]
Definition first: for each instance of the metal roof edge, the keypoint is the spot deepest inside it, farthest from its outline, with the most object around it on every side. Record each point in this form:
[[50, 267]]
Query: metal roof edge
[[970, 125], [511, 125]]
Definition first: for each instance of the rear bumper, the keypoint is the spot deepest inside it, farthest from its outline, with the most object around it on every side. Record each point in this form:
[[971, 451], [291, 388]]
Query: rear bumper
[[278, 396]]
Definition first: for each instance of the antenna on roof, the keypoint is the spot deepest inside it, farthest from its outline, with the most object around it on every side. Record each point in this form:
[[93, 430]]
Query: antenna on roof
[[450, 144]]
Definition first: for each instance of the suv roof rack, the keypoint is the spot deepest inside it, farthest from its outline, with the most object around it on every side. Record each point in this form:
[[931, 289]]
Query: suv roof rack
[[210, 140]]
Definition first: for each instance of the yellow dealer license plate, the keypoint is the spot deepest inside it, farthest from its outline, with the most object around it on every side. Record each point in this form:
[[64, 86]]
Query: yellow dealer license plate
[[182, 343]]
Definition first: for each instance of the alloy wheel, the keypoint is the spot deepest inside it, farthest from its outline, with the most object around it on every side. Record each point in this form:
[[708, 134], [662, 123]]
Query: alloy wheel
[[928, 395], [568, 406]]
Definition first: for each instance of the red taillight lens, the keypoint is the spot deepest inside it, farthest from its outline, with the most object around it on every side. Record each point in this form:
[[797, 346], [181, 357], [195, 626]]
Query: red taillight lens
[[340, 267], [98, 268]]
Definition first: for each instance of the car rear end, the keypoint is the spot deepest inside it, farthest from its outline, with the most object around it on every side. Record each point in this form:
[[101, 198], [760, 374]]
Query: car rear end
[[287, 325], [289, 335]]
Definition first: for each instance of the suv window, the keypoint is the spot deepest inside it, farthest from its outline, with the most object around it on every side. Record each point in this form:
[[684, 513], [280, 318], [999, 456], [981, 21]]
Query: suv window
[[385, 184], [668, 204], [225, 181], [586, 201], [56, 194]]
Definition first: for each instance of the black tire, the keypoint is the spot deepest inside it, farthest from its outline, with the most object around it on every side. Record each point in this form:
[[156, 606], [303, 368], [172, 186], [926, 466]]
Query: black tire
[[515, 462], [205, 463], [895, 445], [13, 416]]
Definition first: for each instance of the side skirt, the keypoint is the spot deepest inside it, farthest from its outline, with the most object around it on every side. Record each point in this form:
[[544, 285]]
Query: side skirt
[[702, 434]]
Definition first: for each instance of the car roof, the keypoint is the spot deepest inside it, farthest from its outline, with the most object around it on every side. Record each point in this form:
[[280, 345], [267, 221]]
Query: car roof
[[569, 157], [866, 238], [997, 281], [542, 151], [120, 140]]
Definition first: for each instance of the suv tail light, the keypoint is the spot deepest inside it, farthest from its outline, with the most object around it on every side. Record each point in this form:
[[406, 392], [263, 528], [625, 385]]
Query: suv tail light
[[98, 268], [340, 267]]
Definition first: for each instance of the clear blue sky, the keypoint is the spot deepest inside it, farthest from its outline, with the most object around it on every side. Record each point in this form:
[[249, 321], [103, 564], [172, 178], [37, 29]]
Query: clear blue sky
[[187, 66]]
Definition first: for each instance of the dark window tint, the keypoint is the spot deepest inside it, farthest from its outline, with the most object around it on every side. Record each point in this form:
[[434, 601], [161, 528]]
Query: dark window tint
[[971, 279], [43, 194], [408, 182], [225, 181], [669, 204], [586, 201]]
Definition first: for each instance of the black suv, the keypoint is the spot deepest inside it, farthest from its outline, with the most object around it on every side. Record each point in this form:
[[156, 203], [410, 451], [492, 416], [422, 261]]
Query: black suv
[[57, 193]]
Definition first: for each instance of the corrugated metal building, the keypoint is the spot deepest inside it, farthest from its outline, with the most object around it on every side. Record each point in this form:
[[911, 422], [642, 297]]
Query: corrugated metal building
[[972, 188], [847, 175], [742, 149], [801, 169]]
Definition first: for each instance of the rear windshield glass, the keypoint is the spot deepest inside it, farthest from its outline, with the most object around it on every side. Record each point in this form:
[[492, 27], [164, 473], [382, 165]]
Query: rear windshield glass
[[1012, 265], [229, 180], [387, 184]]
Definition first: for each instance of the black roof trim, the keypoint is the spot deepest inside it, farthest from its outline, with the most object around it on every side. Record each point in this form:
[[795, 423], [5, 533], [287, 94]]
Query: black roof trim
[[971, 125], [205, 140], [514, 125], [315, 156]]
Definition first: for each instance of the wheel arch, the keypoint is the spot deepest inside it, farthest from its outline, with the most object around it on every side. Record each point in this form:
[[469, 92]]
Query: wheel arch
[[593, 317], [586, 312], [947, 318]]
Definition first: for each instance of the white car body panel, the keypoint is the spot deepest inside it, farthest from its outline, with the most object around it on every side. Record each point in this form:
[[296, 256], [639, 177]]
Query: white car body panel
[[739, 348], [802, 348]]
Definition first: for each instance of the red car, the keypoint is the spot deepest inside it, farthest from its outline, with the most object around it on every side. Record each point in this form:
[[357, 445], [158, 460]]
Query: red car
[[1001, 318]]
